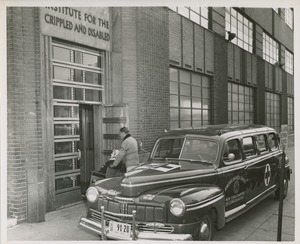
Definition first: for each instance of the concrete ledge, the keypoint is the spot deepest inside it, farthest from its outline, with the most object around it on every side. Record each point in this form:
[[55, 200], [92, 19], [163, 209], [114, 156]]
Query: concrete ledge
[[11, 222]]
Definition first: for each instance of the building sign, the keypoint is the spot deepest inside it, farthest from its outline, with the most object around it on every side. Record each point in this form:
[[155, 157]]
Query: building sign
[[88, 26]]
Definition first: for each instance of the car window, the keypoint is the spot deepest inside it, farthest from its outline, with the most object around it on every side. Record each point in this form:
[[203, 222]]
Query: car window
[[249, 146], [261, 143], [169, 148], [197, 149], [232, 151], [272, 141]]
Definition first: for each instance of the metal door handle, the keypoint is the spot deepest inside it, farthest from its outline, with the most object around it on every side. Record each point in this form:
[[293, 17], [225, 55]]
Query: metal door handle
[[79, 154]]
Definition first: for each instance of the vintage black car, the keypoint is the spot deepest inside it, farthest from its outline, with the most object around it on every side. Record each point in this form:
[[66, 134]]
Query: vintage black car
[[194, 182]]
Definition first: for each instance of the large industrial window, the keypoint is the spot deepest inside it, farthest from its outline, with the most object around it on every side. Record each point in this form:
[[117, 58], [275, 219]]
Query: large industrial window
[[190, 100], [289, 16], [240, 104], [291, 114], [241, 27], [272, 110], [195, 14], [270, 49], [77, 77], [289, 62]]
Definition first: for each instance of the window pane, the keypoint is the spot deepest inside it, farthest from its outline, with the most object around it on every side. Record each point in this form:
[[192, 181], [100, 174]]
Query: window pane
[[196, 114], [67, 182], [184, 76], [62, 130], [66, 164], [93, 95], [185, 102], [77, 57], [60, 73], [91, 60], [173, 74], [196, 102], [61, 54], [174, 114], [174, 101], [78, 94], [78, 75], [93, 78], [196, 79], [185, 89], [60, 92], [173, 88], [185, 114], [63, 147], [65, 111]]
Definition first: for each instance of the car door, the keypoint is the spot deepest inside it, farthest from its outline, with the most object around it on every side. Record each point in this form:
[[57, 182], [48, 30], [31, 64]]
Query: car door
[[233, 175], [261, 168]]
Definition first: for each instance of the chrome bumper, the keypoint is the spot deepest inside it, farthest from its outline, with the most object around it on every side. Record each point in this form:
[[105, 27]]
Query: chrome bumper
[[96, 227]]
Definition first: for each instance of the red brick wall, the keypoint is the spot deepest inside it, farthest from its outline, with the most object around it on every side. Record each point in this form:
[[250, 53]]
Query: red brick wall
[[153, 103], [24, 149]]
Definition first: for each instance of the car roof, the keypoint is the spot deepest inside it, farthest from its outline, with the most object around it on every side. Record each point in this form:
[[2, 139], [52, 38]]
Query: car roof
[[221, 130]]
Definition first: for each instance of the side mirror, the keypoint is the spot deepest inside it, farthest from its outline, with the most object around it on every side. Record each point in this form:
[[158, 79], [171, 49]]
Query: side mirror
[[230, 157]]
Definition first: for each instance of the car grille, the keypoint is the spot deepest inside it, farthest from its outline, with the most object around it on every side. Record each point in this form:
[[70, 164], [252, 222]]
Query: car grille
[[96, 216], [145, 214], [126, 206]]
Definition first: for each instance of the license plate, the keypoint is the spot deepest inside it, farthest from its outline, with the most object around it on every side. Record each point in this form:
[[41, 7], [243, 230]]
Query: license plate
[[119, 230]]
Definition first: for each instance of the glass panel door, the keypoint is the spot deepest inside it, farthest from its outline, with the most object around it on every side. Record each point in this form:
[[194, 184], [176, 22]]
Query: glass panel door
[[78, 75]]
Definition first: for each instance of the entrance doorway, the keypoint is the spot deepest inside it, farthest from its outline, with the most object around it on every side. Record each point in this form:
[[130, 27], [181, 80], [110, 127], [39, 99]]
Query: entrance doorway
[[78, 75], [73, 167]]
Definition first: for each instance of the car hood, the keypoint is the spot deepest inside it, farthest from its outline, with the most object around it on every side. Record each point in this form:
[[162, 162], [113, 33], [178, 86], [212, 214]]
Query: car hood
[[157, 175]]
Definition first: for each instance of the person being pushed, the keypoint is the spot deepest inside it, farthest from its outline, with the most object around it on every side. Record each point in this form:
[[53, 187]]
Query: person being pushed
[[127, 154]]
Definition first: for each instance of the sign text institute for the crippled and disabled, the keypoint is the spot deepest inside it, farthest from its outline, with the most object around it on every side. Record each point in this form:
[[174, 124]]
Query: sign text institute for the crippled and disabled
[[88, 26]]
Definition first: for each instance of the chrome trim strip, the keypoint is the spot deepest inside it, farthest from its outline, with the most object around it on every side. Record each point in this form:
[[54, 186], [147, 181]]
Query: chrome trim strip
[[204, 204], [235, 210], [167, 181], [258, 196]]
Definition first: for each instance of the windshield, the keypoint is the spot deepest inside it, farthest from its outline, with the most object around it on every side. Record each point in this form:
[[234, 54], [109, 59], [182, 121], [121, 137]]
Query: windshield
[[186, 149]]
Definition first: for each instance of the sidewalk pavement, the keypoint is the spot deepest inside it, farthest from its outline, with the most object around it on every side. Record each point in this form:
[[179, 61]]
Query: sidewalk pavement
[[62, 225]]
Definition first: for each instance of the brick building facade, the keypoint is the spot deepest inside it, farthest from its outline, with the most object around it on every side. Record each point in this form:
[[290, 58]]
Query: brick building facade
[[150, 68]]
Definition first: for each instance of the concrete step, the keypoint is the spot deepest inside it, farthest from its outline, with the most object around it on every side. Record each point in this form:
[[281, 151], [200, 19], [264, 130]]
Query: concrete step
[[11, 222]]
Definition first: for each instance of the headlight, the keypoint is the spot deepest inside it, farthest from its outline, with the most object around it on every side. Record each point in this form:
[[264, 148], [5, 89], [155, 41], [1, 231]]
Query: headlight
[[177, 207], [92, 194]]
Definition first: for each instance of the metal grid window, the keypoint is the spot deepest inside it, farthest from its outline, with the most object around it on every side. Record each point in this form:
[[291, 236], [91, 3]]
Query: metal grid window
[[190, 100], [241, 27], [289, 16], [270, 49], [289, 62], [272, 110], [291, 114], [196, 14], [78, 75], [240, 104]]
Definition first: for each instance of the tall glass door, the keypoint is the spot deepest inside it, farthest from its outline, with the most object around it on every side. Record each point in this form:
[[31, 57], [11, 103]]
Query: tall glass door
[[78, 75]]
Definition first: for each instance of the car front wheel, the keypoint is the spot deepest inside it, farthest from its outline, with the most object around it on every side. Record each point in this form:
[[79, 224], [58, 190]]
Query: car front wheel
[[206, 230]]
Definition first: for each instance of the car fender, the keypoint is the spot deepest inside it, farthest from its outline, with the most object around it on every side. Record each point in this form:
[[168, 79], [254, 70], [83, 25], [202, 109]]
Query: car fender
[[198, 199]]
